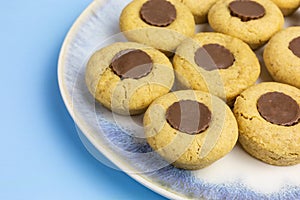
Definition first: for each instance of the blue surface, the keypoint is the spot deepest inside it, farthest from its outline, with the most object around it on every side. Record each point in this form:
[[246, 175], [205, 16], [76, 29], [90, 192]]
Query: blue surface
[[41, 155]]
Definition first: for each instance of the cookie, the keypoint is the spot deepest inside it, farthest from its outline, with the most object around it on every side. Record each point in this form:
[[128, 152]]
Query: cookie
[[287, 7], [127, 77], [190, 129], [253, 21], [268, 117], [282, 56], [199, 9], [162, 24], [216, 63]]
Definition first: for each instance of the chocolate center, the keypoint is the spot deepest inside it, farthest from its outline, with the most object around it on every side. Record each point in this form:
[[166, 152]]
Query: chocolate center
[[159, 13], [246, 10], [189, 116], [294, 46], [213, 56], [131, 63], [279, 108]]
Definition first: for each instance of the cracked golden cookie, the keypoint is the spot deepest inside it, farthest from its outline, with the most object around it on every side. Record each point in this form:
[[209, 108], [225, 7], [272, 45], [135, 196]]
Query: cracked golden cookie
[[162, 24], [287, 7], [253, 21], [190, 129], [199, 9], [216, 63], [282, 56], [268, 117], [127, 77]]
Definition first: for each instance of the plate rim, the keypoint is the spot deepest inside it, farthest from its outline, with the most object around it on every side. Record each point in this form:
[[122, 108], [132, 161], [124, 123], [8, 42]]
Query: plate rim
[[69, 105]]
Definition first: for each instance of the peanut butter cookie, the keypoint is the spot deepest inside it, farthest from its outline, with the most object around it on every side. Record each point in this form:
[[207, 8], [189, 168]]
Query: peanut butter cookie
[[127, 77]]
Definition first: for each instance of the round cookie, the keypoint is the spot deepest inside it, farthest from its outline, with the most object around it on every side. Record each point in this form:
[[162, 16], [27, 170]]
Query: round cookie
[[162, 24], [287, 7], [268, 117], [127, 77], [253, 21], [190, 129], [216, 63], [282, 56], [199, 9]]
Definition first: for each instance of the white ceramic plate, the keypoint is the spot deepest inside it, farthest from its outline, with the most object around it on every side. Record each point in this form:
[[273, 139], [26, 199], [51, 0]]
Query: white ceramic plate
[[236, 176]]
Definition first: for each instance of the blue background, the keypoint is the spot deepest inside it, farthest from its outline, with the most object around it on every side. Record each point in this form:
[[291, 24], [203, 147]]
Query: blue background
[[41, 155]]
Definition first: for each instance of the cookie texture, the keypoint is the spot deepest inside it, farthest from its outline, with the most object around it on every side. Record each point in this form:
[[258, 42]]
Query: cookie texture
[[272, 143], [287, 7], [199, 9], [163, 38], [225, 83], [256, 30], [127, 96], [185, 150], [280, 60]]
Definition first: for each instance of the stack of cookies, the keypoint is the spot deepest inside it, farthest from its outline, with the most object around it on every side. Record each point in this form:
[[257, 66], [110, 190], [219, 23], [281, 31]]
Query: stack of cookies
[[214, 101]]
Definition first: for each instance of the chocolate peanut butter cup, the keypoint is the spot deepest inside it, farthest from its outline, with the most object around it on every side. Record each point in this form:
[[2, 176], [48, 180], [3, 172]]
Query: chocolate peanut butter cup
[[294, 46], [279, 108], [246, 10], [159, 13], [213, 56], [131, 63], [189, 116]]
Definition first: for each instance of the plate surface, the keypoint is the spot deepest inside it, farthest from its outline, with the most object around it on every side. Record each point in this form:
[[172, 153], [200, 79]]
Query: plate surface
[[120, 139]]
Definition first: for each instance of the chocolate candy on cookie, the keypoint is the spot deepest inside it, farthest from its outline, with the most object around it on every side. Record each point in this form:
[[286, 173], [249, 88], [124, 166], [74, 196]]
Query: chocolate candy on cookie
[[121, 75], [190, 129], [268, 115], [253, 21], [162, 24], [216, 63], [282, 56]]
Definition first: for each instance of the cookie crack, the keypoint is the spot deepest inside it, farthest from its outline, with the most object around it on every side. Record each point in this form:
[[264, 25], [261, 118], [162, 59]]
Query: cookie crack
[[125, 96], [246, 117], [275, 159], [249, 118], [294, 154], [243, 97]]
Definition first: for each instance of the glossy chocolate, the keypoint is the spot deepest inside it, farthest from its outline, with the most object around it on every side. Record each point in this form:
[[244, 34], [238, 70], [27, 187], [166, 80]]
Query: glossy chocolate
[[159, 13], [213, 56], [131, 63], [189, 116], [279, 108], [246, 10]]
